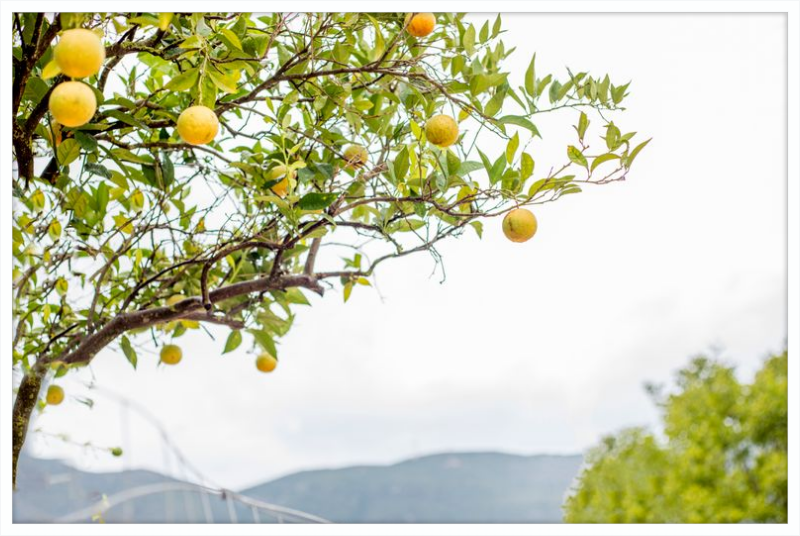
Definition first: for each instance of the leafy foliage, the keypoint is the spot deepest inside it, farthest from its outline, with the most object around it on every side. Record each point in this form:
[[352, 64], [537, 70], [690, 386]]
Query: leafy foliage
[[723, 460], [115, 218]]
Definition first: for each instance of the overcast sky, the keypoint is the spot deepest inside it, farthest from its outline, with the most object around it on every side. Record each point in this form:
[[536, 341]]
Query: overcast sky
[[526, 348]]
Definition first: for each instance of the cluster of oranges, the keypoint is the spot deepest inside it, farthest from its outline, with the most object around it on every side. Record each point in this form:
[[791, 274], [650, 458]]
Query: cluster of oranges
[[171, 354], [80, 54]]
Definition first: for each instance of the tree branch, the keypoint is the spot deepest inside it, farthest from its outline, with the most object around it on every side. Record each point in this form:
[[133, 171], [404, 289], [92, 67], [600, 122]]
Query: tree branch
[[92, 344]]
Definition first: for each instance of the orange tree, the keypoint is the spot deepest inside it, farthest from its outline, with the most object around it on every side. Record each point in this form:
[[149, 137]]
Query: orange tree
[[176, 169]]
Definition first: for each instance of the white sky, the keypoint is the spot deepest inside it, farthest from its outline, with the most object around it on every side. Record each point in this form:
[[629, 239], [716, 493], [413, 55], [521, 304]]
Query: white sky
[[538, 347]]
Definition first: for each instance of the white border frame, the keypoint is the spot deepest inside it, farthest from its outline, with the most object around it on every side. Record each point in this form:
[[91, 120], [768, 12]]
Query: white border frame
[[790, 7]]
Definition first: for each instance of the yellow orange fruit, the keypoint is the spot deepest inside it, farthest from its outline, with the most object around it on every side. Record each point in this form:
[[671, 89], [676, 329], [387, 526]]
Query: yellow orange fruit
[[281, 188], [421, 24], [72, 103], [441, 130], [55, 395], [171, 354], [198, 125], [79, 53], [520, 225], [266, 363], [355, 156]]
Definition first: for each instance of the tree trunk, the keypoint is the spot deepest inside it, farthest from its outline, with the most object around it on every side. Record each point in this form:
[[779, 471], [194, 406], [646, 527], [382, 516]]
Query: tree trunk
[[27, 395]]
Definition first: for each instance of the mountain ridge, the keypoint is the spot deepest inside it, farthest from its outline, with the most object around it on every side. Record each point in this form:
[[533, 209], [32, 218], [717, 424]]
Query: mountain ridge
[[442, 487]]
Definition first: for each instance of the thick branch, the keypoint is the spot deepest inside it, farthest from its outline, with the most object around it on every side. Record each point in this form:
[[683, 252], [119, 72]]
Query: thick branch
[[95, 342], [27, 395]]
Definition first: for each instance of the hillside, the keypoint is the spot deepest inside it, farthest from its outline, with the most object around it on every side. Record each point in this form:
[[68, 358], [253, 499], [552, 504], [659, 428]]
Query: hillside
[[443, 488], [452, 487]]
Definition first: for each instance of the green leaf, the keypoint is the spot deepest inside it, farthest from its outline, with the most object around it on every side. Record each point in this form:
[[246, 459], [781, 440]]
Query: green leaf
[[511, 147], [183, 81], [125, 154], [128, 119], [563, 90], [617, 94], [380, 46], [222, 82], [167, 169], [555, 87], [232, 37], [478, 226], [468, 167], [583, 124], [163, 20], [635, 152], [484, 33], [401, 164], [295, 295], [482, 82], [520, 121], [496, 173], [495, 103], [128, 350], [527, 165], [603, 158], [602, 90], [468, 41], [317, 201], [487, 164], [530, 78], [62, 286], [612, 137], [88, 143], [264, 339], [97, 169], [233, 342], [496, 26], [54, 230], [348, 289], [190, 42], [576, 157], [68, 151], [405, 226], [50, 70]]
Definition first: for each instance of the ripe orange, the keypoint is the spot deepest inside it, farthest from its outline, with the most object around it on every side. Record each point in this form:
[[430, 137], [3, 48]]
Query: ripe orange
[[171, 354], [72, 103], [441, 130], [55, 395], [266, 363], [198, 125], [421, 24], [79, 53], [282, 187], [520, 225]]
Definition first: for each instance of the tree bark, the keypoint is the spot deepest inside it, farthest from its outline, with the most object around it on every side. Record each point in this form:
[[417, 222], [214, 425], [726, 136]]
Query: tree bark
[[27, 396]]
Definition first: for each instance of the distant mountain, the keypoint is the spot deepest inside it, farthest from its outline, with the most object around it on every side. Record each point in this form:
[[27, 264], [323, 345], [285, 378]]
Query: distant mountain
[[50, 489], [442, 488]]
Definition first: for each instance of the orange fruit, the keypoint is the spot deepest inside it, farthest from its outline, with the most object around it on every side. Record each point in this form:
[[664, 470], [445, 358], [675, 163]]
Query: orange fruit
[[520, 225], [441, 130], [198, 125], [171, 354], [72, 103], [55, 395], [266, 363], [79, 53], [421, 24]]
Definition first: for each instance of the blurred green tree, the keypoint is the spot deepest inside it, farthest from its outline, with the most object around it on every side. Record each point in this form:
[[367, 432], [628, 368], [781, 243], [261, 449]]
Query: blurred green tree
[[723, 458]]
